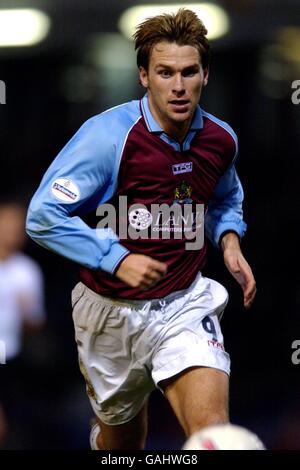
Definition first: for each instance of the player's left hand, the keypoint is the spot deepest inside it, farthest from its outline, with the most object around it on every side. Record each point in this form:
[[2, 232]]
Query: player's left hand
[[239, 268], [241, 271]]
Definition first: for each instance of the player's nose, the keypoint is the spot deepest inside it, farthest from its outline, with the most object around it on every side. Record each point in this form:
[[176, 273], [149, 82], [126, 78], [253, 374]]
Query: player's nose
[[178, 84]]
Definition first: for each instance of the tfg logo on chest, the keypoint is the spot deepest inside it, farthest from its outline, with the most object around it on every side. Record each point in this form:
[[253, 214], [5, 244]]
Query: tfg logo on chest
[[179, 168]]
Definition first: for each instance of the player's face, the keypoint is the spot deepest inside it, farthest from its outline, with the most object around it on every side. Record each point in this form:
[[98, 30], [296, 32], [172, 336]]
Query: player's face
[[174, 81]]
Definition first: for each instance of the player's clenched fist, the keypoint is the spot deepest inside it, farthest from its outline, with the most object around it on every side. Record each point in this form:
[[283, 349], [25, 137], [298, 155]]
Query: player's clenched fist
[[141, 271]]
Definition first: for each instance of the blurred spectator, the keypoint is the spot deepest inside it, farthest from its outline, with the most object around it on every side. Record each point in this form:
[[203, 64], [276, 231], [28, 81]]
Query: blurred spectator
[[21, 304]]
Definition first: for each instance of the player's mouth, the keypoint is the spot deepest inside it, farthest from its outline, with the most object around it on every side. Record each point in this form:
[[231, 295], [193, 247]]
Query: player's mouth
[[180, 106]]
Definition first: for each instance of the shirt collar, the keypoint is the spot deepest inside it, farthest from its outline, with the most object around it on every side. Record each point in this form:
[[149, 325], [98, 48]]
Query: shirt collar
[[152, 124]]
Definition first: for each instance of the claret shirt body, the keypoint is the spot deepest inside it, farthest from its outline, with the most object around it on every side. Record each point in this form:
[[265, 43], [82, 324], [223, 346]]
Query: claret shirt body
[[124, 154]]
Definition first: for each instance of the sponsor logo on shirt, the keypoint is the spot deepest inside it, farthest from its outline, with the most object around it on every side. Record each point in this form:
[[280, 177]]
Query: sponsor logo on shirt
[[181, 220], [140, 218], [65, 190], [179, 168]]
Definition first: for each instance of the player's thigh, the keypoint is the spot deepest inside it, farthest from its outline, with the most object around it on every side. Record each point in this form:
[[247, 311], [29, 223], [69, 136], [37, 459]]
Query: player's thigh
[[199, 397], [127, 436]]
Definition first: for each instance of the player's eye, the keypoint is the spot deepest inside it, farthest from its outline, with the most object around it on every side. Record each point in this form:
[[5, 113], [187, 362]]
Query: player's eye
[[165, 73], [189, 72]]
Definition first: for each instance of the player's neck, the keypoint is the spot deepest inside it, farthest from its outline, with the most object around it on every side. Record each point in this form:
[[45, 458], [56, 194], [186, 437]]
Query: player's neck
[[175, 130], [177, 133]]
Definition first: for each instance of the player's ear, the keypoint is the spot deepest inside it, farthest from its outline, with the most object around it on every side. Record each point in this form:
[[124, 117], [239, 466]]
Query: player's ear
[[143, 76], [206, 74]]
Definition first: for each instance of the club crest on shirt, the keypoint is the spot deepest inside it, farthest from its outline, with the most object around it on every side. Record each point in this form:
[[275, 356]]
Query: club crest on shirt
[[185, 167], [183, 194]]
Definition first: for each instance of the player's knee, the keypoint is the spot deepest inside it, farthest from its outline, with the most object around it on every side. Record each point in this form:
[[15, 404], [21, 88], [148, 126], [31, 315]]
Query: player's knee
[[198, 422], [100, 442], [123, 437]]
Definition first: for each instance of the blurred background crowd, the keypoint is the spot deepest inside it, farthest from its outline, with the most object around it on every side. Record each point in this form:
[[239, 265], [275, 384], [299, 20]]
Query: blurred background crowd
[[79, 63]]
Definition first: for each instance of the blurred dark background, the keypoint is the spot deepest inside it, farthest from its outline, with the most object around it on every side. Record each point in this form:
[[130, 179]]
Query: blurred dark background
[[85, 66]]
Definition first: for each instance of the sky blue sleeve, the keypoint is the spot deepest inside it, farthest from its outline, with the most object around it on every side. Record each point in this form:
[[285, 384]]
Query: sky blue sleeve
[[83, 175], [225, 208]]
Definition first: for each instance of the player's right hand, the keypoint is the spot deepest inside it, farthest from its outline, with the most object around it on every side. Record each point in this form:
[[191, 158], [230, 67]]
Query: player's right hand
[[141, 271]]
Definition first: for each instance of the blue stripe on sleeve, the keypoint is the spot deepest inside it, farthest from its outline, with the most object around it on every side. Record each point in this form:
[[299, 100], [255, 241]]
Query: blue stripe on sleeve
[[91, 161]]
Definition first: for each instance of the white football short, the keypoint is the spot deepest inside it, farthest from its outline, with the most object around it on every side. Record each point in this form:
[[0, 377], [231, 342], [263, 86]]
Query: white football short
[[126, 347]]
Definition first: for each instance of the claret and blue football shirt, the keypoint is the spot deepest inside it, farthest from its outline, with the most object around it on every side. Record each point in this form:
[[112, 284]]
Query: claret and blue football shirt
[[123, 153]]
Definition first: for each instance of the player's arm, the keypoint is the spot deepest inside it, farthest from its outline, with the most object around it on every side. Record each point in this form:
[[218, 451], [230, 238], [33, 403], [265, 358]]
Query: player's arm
[[225, 209], [238, 266], [225, 227], [89, 164], [81, 177]]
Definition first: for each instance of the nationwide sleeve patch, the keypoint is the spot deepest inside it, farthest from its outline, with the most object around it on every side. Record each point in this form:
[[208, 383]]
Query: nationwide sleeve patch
[[65, 190]]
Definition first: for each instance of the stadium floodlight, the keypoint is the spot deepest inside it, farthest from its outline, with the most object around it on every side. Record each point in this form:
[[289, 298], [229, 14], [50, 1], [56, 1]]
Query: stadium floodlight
[[213, 16], [23, 27]]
